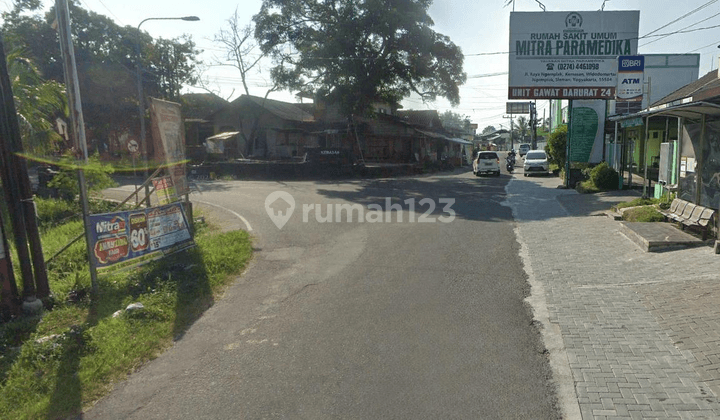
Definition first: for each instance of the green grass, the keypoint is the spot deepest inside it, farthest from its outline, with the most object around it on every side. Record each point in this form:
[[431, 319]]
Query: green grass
[[643, 214], [587, 187], [638, 202], [84, 348]]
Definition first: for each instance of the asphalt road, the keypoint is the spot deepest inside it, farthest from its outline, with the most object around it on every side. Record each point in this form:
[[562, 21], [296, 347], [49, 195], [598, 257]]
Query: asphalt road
[[379, 319]]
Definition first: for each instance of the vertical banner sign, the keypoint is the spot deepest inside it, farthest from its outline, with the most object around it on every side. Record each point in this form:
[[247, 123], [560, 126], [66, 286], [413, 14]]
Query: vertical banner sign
[[631, 77], [165, 190], [588, 119], [129, 238], [168, 134], [569, 55]]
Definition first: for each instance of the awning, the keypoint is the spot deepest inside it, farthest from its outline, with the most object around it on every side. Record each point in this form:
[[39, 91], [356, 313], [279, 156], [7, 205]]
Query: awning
[[461, 141], [223, 136], [443, 137], [432, 134], [692, 110]]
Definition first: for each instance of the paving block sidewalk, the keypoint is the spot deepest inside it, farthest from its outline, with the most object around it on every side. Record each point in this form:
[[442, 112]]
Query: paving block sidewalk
[[641, 331]]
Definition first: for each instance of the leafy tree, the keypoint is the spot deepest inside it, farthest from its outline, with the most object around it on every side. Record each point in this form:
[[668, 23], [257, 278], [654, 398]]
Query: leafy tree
[[37, 101], [523, 126], [106, 59], [355, 53], [454, 121], [489, 130], [169, 68], [555, 147], [97, 176]]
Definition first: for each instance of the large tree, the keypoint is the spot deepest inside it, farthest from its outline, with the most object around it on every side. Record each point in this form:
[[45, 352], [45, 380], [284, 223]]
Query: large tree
[[106, 60], [455, 122], [357, 52], [489, 130]]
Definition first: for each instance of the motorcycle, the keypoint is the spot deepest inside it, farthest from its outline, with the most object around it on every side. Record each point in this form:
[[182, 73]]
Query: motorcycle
[[509, 163]]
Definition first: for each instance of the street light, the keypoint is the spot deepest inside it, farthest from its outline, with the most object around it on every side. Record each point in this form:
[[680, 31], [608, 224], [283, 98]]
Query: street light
[[141, 99]]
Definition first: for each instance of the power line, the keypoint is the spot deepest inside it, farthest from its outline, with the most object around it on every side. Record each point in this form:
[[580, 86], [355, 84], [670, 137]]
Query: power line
[[681, 17], [682, 30]]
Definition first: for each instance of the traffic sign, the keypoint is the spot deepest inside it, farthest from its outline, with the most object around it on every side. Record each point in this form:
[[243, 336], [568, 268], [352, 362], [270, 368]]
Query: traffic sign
[[133, 146]]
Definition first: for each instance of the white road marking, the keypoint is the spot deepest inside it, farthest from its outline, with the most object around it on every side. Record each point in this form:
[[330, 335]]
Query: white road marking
[[244, 220]]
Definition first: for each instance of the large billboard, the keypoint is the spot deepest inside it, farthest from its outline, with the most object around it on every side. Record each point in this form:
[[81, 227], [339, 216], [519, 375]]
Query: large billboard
[[569, 55], [169, 140]]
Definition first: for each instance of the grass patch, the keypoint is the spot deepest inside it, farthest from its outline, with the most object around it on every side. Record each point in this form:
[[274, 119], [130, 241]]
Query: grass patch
[[638, 202], [587, 187], [55, 364], [643, 214]]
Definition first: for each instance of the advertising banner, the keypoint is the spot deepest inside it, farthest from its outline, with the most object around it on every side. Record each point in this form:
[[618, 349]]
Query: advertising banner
[[631, 78], [569, 55], [586, 131], [169, 140], [129, 238], [165, 190]]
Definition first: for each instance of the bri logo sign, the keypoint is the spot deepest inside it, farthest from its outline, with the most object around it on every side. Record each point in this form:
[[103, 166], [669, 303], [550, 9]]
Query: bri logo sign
[[631, 78]]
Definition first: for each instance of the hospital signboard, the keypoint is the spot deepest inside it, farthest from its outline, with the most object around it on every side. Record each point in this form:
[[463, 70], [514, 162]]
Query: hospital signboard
[[569, 55]]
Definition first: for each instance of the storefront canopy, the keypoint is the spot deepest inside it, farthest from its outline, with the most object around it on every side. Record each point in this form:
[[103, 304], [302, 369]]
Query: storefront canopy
[[461, 141], [224, 136], [443, 137], [692, 110]]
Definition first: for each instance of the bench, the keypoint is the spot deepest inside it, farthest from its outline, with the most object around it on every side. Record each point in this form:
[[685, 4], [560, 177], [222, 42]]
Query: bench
[[691, 215]]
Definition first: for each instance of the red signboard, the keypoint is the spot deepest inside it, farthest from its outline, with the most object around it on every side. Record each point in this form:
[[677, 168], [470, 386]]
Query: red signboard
[[534, 92]]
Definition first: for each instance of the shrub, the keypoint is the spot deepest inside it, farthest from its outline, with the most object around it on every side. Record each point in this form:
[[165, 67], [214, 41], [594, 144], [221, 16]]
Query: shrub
[[97, 177], [555, 147], [586, 187], [604, 177]]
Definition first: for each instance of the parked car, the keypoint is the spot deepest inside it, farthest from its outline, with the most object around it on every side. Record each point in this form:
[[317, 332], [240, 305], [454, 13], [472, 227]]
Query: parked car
[[524, 148], [536, 161], [486, 163]]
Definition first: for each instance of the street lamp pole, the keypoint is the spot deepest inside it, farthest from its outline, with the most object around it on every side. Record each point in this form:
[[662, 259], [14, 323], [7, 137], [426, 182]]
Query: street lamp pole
[[141, 99]]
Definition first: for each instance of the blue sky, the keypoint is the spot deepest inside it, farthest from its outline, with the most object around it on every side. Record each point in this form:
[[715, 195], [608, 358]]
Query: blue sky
[[479, 27]]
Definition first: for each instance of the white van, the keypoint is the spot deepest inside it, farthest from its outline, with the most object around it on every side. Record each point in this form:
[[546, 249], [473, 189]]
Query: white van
[[486, 163], [524, 148]]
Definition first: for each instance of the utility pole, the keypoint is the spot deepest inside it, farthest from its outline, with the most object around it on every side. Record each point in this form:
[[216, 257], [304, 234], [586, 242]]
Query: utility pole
[[512, 144], [647, 134], [568, 142], [533, 124], [78, 123]]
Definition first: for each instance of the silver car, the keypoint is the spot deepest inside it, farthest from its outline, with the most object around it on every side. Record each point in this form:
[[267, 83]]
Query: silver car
[[536, 161]]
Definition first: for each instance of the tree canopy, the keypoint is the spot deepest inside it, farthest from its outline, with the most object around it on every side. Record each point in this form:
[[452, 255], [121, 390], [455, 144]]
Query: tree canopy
[[357, 52], [489, 130], [522, 126], [454, 121], [106, 60]]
